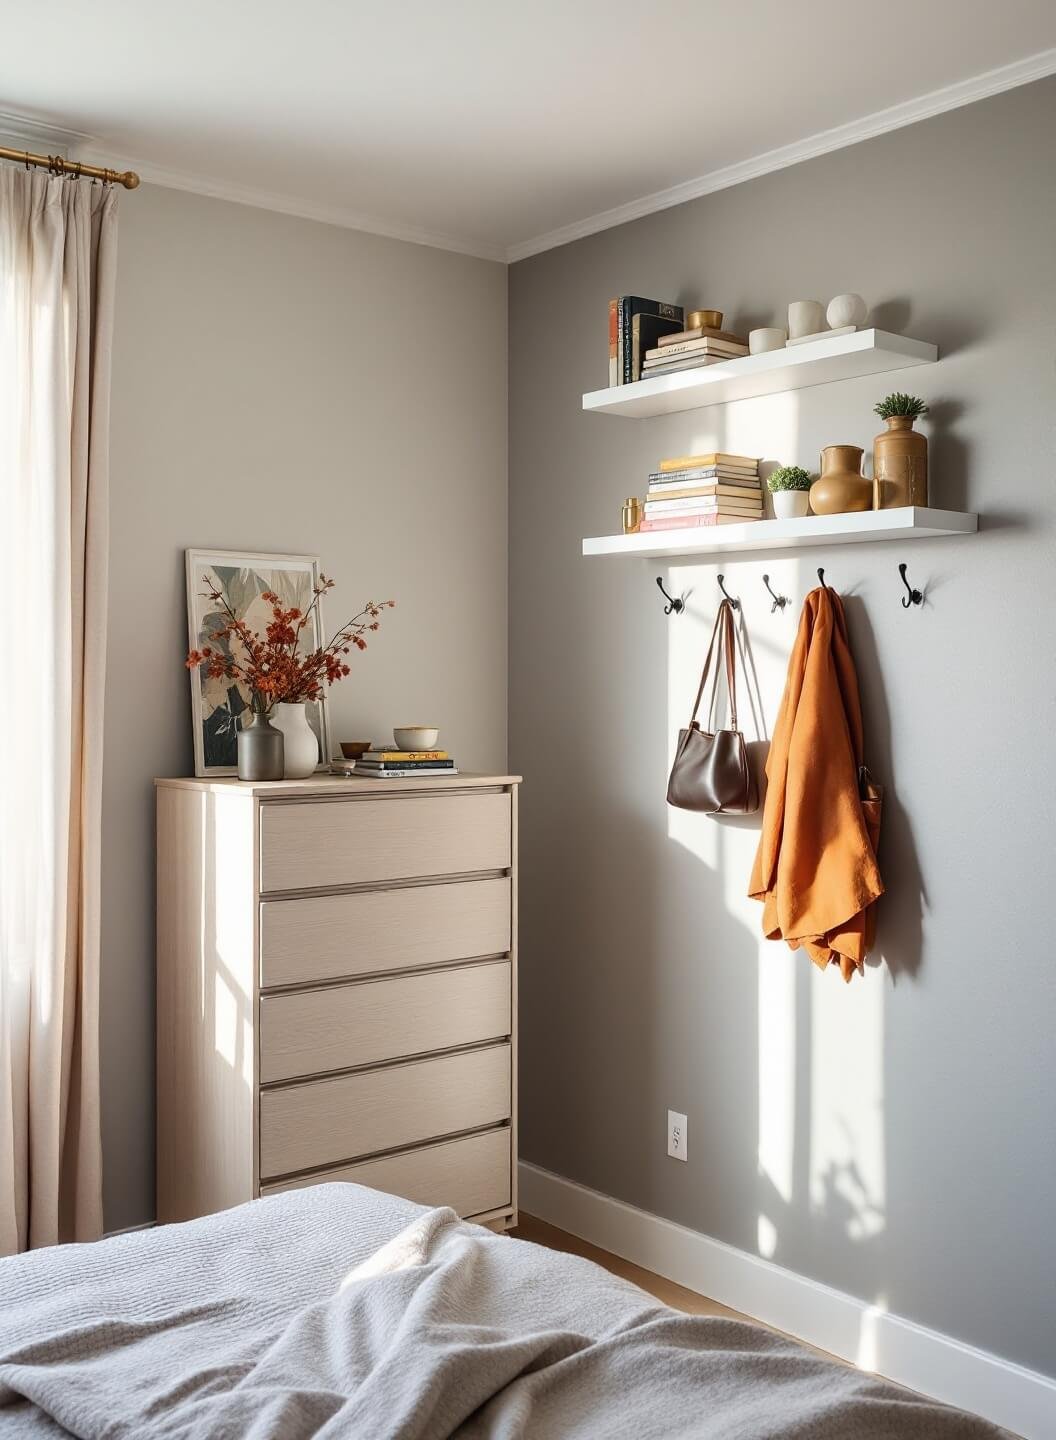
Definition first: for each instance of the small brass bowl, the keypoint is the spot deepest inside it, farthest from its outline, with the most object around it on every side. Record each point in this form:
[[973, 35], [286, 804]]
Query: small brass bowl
[[353, 749], [704, 320]]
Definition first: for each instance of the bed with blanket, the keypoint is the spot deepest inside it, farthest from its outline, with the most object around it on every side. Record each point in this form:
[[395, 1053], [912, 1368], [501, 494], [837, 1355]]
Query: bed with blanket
[[339, 1311]]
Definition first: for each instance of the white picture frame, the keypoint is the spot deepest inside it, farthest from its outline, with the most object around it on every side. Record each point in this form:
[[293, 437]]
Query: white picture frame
[[217, 705]]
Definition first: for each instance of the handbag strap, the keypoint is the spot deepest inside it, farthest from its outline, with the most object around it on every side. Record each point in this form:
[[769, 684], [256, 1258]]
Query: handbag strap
[[723, 631]]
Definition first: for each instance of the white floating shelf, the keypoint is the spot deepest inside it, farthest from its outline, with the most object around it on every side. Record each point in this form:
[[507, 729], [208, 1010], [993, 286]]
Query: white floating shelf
[[912, 522], [843, 357]]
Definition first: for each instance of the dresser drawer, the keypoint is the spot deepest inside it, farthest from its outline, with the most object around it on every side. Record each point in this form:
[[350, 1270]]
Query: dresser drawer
[[323, 1122], [472, 1174], [331, 937], [342, 1026], [314, 844]]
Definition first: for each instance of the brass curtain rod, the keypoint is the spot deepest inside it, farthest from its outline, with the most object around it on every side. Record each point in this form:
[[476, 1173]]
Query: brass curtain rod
[[58, 166]]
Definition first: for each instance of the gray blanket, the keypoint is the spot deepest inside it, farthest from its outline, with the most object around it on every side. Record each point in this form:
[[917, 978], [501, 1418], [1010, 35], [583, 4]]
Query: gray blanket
[[337, 1311]]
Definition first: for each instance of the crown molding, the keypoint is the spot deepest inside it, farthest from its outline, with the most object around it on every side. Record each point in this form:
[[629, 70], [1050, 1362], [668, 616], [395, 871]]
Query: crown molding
[[92, 150], [291, 205], [40, 134], [895, 117]]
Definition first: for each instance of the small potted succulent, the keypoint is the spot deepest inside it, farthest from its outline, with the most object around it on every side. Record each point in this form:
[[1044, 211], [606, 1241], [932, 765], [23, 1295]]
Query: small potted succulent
[[790, 485], [900, 454]]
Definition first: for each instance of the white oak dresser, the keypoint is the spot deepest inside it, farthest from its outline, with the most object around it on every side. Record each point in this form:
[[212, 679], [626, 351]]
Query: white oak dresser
[[336, 990]]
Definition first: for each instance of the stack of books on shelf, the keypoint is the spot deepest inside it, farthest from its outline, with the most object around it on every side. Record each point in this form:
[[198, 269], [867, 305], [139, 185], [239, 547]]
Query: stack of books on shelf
[[703, 490], [636, 327], [689, 349], [404, 764]]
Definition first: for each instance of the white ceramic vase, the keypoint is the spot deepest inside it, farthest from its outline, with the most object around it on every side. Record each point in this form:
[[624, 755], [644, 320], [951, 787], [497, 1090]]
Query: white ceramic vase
[[791, 504], [805, 317], [300, 746]]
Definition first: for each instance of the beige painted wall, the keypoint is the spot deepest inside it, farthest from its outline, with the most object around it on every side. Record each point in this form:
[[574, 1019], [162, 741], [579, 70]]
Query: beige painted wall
[[894, 1138], [281, 385]]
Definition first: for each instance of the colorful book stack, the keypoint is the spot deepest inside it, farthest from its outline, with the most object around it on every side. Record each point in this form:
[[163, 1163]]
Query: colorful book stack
[[689, 349], [636, 327], [703, 490], [404, 764]]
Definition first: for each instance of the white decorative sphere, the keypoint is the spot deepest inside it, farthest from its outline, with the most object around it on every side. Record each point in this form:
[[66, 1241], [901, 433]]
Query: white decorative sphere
[[846, 310]]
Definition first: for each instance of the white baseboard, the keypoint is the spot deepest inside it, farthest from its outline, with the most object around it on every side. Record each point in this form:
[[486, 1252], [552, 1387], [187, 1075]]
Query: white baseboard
[[130, 1229], [924, 1360]]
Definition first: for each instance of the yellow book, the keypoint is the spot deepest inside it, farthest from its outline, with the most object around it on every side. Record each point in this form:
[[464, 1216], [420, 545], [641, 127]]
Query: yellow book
[[701, 462], [391, 757]]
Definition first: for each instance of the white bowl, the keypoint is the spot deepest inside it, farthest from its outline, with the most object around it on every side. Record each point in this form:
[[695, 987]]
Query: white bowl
[[416, 737], [768, 338]]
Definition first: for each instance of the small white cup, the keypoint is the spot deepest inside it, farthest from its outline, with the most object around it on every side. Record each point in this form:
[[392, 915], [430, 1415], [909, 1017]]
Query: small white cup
[[805, 317], [760, 341]]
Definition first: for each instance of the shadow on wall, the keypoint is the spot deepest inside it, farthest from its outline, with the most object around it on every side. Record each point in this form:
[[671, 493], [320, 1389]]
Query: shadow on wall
[[900, 911]]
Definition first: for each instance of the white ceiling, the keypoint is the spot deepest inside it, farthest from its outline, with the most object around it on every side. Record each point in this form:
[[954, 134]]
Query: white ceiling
[[488, 126]]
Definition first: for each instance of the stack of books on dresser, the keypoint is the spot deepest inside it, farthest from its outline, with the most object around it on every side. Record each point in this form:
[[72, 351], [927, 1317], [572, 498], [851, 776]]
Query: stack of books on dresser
[[404, 764], [703, 490], [689, 349]]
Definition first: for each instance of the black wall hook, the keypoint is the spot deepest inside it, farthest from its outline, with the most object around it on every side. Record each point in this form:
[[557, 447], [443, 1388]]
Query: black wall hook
[[821, 578], [673, 605], [780, 601], [735, 603], [912, 597]]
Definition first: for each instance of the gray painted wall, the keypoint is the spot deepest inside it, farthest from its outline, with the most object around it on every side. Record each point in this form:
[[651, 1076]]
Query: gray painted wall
[[276, 383], [894, 1138]]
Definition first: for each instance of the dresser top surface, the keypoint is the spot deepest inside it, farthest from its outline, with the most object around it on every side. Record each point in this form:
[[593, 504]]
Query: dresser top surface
[[330, 785]]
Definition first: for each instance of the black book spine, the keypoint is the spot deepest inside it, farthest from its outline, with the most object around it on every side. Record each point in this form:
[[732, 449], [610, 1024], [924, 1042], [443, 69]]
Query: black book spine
[[631, 305]]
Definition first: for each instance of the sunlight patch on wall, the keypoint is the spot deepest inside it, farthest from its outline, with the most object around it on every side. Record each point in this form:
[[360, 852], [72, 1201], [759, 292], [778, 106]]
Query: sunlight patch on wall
[[847, 1169], [766, 427], [777, 1073]]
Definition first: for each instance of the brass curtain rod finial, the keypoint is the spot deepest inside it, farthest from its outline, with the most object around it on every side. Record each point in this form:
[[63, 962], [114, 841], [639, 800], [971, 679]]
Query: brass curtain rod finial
[[56, 165]]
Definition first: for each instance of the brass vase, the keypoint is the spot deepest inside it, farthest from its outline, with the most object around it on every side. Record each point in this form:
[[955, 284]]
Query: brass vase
[[632, 515], [841, 486], [900, 465]]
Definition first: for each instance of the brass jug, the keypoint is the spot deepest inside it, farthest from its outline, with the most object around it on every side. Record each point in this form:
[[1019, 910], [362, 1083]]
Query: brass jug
[[900, 465]]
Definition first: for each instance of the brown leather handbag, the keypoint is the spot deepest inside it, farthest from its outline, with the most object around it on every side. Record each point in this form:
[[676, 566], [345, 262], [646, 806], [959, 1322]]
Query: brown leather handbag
[[711, 772]]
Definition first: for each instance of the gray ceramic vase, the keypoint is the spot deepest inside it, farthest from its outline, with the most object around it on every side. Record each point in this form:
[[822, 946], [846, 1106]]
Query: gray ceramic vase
[[260, 749]]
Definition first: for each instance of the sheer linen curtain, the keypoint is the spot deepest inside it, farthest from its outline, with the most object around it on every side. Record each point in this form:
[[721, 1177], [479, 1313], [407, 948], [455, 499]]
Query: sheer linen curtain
[[57, 269]]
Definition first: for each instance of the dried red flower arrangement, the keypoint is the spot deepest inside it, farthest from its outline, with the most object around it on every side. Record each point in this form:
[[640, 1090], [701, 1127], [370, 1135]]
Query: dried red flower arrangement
[[271, 665]]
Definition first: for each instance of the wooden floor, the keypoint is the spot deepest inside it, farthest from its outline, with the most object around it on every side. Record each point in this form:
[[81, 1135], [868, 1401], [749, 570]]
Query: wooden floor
[[677, 1296]]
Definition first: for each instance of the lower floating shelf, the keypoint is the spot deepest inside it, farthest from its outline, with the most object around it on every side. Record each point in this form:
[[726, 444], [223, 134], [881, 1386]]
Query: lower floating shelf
[[913, 522]]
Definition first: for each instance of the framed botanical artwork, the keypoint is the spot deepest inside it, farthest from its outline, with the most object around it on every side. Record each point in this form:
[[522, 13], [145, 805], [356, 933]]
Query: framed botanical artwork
[[217, 705]]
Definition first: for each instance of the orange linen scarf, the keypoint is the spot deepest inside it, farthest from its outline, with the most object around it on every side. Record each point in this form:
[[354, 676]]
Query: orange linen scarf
[[815, 869]]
